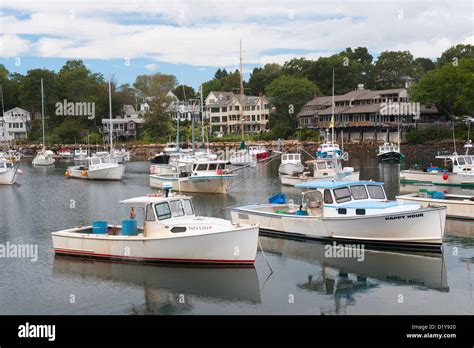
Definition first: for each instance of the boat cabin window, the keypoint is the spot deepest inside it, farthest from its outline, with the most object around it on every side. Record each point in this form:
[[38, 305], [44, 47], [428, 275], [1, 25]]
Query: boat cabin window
[[359, 192], [327, 197], [321, 165], [290, 157], [177, 208], [163, 211], [468, 160], [285, 157], [342, 194], [221, 166], [212, 166], [376, 192], [202, 166], [149, 216], [461, 161], [297, 157], [188, 207]]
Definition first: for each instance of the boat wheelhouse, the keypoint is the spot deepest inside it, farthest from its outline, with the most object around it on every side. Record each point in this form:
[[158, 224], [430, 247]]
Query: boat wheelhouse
[[389, 152], [329, 150], [322, 169], [171, 232], [80, 154], [8, 171], [206, 176], [349, 211]]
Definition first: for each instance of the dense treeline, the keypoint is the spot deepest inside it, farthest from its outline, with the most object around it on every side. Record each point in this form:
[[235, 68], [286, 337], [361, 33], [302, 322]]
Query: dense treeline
[[447, 83]]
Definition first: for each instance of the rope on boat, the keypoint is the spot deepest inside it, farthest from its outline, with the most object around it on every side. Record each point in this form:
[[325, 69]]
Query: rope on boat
[[268, 160], [264, 256]]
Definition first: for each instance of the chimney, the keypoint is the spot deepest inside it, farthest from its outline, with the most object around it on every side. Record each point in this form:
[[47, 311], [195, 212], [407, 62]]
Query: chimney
[[360, 87]]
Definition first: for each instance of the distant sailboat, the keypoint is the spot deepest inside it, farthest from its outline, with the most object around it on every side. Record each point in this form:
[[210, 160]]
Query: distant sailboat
[[43, 157]]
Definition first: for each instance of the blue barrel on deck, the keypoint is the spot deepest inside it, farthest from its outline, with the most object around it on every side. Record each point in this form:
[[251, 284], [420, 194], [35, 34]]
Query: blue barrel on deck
[[99, 227], [129, 228], [279, 198], [438, 195]]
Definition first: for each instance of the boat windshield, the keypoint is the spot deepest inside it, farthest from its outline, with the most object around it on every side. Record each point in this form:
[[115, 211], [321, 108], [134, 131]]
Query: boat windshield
[[342, 194], [468, 160], [461, 161], [376, 191], [163, 211], [177, 208], [359, 192]]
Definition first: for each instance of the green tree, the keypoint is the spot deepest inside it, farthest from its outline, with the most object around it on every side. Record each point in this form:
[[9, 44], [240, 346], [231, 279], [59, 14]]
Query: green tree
[[232, 82], [391, 67], [421, 66], [261, 77], [211, 85], [454, 54], [449, 88], [156, 85], [221, 75], [184, 92], [297, 67]]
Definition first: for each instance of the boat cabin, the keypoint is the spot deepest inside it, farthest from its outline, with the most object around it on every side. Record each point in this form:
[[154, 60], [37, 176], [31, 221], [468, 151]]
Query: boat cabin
[[192, 168], [291, 158], [388, 147], [159, 210], [458, 163], [6, 164]]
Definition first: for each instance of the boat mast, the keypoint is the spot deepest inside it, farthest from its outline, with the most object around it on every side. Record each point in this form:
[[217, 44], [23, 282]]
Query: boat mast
[[42, 113], [110, 118], [241, 94], [202, 120], [332, 116]]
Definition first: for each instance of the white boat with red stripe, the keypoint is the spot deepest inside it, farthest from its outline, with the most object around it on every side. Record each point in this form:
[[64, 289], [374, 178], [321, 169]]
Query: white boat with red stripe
[[171, 232]]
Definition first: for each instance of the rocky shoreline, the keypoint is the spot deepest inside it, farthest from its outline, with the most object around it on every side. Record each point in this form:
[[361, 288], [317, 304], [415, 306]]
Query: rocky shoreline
[[367, 148]]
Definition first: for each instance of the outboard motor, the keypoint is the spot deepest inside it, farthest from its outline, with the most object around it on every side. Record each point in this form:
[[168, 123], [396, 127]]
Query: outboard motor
[[167, 186]]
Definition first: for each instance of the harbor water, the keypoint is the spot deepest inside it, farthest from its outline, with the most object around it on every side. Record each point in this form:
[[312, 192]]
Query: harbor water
[[304, 280]]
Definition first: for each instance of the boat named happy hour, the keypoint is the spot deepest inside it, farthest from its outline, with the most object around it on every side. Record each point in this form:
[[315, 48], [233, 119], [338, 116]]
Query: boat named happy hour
[[349, 211], [171, 233], [458, 206]]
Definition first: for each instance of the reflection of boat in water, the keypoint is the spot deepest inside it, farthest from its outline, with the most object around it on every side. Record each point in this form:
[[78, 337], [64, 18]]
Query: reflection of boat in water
[[166, 283], [426, 270]]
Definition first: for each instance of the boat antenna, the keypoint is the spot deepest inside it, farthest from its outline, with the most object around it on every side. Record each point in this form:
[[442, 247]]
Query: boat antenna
[[42, 113], [332, 116], [241, 94], [110, 118]]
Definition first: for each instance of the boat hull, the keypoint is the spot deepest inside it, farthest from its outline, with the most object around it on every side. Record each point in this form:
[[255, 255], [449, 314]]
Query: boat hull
[[43, 162], [456, 209], [234, 246], [291, 169], [444, 179], [422, 228], [208, 184], [393, 157], [107, 173], [8, 177]]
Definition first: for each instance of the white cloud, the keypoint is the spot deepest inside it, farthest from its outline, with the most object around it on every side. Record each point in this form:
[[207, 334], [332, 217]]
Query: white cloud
[[208, 33], [151, 67]]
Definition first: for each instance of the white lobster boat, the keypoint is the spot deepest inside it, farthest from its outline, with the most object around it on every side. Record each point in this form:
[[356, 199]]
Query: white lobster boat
[[349, 211], [8, 171], [291, 164], [44, 158], [80, 154], [458, 206], [323, 169], [96, 168], [205, 176], [459, 171], [171, 233]]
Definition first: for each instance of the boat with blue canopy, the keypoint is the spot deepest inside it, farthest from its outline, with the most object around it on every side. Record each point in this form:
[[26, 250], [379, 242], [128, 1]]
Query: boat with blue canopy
[[348, 211]]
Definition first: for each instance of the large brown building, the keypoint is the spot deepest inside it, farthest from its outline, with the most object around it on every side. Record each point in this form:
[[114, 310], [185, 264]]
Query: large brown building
[[367, 114]]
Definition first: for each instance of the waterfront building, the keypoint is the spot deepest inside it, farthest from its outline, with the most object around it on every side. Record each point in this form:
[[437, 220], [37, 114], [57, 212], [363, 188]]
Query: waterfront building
[[15, 124], [125, 126], [367, 114], [224, 109]]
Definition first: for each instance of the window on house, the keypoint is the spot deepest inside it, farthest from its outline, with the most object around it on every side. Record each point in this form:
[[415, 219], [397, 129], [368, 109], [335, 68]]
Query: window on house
[[224, 109]]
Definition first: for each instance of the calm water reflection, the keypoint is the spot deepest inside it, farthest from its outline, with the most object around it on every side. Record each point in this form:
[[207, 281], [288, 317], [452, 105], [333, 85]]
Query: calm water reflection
[[44, 201]]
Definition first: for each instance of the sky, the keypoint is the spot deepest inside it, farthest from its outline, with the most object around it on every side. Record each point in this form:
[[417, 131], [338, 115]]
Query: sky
[[191, 39]]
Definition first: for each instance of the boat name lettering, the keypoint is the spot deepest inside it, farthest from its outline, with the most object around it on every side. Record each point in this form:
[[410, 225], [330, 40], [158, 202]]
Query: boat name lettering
[[243, 216], [200, 228], [411, 216]]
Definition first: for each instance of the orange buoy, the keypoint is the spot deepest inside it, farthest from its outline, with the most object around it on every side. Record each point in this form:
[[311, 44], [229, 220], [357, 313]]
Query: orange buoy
[[66, 173], [445, 176], [84, 173]]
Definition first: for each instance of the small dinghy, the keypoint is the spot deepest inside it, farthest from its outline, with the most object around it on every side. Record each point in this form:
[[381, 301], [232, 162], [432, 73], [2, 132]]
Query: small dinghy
[[171, 232]]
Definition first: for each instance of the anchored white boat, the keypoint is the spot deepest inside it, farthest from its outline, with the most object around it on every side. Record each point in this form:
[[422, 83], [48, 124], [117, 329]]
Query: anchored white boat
[[323, 169], [291, 164], [204, 176], [458, 206], [43, 157], [349, 211], [248, 155], [8, 171], [65, 153], [12, 155], [171, 233], [389, 152], [329, 150], [96, 168]]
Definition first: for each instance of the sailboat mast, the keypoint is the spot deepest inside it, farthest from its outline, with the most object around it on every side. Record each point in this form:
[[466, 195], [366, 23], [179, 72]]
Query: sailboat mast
[[241, 93], [202, 120], [332, 116], [110, 118], [42, 113]]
